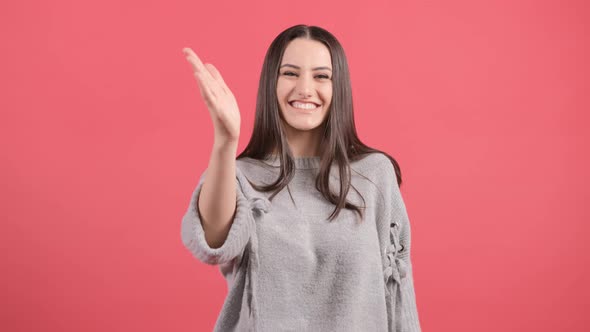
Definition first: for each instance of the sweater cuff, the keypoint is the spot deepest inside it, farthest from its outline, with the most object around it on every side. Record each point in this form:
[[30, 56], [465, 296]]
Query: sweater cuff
[[193, 235]]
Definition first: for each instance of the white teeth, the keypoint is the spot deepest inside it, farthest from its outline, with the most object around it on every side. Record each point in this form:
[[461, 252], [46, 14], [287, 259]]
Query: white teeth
[[305, 106]]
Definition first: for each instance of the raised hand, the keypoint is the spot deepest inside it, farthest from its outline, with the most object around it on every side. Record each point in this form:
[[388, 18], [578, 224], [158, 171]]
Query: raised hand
[[220, 101]]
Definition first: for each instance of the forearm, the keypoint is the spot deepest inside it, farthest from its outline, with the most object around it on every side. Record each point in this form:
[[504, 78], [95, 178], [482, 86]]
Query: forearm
[[217, 199]]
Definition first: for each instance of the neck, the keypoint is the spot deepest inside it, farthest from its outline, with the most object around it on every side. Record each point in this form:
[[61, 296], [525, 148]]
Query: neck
[[304, 143]]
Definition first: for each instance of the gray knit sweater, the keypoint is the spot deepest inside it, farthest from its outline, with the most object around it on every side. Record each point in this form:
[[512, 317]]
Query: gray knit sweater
[[289, 269]]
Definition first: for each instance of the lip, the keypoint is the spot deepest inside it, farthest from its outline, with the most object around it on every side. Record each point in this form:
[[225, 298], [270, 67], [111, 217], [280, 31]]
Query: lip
[[305, 101]]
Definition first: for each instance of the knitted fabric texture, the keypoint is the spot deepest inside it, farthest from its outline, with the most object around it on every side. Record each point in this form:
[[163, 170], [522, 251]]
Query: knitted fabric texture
[[290, 269]]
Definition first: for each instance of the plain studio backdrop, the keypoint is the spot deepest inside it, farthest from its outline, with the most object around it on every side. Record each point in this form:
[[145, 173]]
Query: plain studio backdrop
[[103, 134]]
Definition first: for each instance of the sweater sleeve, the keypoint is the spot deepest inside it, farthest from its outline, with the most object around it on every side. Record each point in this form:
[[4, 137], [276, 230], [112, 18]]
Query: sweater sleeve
[[193, 236], [398, 272]]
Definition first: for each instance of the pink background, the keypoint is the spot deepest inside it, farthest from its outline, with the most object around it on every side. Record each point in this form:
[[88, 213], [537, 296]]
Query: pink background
[[104, 135]]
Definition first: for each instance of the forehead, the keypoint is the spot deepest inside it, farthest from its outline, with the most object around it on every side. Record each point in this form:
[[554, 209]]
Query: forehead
[[307, 53]]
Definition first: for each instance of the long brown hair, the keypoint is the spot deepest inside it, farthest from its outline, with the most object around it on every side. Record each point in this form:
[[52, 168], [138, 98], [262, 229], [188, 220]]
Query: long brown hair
[[340, 142]]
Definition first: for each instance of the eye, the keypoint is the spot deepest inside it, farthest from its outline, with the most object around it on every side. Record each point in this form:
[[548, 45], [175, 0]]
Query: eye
[[323, 76]]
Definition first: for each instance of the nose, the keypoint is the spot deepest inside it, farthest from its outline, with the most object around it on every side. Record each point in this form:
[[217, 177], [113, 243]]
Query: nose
[[304, 86]]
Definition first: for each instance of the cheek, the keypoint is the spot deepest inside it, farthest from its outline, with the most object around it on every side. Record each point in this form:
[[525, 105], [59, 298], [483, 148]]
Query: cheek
[[282, 89], [327, 91]]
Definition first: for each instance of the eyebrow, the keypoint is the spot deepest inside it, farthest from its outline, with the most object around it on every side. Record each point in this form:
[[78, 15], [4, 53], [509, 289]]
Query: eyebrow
[[297, 67]]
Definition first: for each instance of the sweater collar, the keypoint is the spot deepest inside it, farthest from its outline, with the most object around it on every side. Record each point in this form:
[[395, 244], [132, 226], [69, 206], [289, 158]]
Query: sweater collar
[[300, 162]]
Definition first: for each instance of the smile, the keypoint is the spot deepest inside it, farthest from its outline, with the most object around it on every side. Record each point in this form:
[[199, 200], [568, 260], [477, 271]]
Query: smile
[[306, 107]]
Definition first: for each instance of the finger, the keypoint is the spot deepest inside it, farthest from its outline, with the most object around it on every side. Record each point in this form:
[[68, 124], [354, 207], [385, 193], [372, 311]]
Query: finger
[[194, 60], [206, 92], [217, 75], [206, 81], [197, 64]]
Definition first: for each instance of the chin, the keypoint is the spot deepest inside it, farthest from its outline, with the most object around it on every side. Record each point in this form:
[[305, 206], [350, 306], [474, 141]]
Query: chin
[[299, 125], [303, 122], [304, 128]]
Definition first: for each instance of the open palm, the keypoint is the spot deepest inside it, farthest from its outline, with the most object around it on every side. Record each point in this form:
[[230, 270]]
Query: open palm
[[219, 99]]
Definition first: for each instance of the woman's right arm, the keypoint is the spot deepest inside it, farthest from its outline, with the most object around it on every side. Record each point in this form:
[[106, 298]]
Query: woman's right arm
[[217, 199], [218, 222], [199, 235]]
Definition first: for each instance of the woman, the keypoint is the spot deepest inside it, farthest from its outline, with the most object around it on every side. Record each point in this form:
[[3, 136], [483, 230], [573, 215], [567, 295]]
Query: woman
[[332, 251]]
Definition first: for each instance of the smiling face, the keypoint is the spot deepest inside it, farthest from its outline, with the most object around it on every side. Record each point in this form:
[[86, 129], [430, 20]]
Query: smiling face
[[304, 85]]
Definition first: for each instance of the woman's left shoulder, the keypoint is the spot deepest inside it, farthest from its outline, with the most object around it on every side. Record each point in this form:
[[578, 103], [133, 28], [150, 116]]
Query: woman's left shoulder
[[374, 162]]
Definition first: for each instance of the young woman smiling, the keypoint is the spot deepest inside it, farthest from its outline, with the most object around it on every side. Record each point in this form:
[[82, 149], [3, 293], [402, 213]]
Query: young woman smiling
[[332, 251]]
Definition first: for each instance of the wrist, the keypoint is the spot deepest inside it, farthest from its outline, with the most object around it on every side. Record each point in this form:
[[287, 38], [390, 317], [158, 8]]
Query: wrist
[[223, 145]]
